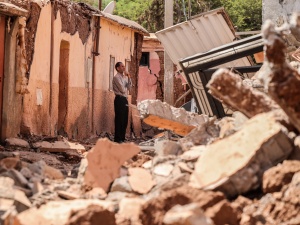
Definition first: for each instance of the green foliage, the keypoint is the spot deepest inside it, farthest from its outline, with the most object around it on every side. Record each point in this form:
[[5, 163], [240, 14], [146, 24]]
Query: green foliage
[[246, 15], [131, 9]]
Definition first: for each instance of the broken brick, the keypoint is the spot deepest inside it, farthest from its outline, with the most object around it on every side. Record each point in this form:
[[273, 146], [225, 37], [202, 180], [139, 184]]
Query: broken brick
[[102, 163]]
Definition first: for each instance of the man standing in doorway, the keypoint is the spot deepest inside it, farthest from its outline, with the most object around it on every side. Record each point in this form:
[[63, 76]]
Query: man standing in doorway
[[121, 85]]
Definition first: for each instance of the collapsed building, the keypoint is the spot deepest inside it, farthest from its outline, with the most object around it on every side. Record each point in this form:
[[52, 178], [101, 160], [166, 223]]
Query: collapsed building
[[203, 170], [57, 64]]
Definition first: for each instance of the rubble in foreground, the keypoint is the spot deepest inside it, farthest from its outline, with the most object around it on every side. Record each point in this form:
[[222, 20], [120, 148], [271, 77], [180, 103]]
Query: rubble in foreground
[[235, 170]]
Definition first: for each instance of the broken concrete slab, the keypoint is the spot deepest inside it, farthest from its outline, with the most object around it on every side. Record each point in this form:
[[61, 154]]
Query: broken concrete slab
[[167, 147], [229, 88], [162, 123], [193, 154], [166, 111], [283, 81], [102, 163], [240, 159], [190, 214], [66, 212], [140, 180], [59, 146], [276, 177], [17, 142], [201, 135]]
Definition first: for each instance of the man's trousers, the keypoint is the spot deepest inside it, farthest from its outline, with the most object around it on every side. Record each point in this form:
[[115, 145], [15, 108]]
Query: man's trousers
[[121, 118]]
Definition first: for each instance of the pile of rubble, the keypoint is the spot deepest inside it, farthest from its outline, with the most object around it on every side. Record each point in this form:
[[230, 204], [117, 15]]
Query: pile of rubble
[[239, 170]]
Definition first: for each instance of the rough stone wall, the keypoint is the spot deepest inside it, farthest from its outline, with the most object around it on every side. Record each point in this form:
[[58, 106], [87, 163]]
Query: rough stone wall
[[279, 11]]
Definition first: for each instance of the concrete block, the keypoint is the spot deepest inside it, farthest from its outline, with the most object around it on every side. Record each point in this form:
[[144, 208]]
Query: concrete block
[[59, 146], [229, 88], [102, 163], [140, 180], [17, 142], [236, 164]]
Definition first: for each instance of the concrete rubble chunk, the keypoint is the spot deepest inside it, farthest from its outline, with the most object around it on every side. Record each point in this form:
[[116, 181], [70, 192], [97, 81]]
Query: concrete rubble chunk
[[163, 169], [154, 210], [17, 142], [193, 154], [121, 184], [167, 147], [229, 88], [283, 81], [11, 163], [202, 135], [129, 208], [59, 146], [164, 110], [223, 213], [68, 212], [240, 159], [102, 163], [160, 114], [190, 214], [276, 177], [140, 180], [162, 123]]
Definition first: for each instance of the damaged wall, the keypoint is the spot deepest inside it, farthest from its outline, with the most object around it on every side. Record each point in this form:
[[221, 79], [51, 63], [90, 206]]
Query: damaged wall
[[41, 117]]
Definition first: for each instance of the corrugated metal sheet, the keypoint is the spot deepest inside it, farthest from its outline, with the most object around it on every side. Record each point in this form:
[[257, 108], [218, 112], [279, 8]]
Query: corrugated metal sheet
[[199, 34]]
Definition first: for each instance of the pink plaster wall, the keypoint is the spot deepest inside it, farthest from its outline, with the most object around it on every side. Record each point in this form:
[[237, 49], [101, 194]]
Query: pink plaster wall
[[147, 84]]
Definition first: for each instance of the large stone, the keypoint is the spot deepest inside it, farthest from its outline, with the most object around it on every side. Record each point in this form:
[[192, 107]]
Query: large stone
[[59, 146], [154, 210], [223, 213], [17, 142], [202, 135], [129, 208], [102, 163], [46, 171], [281, 79], [69, 212], [11, 163], [140, 180], [236, 164], [276, 177], [190, 214], [167, 147], [229, 88]]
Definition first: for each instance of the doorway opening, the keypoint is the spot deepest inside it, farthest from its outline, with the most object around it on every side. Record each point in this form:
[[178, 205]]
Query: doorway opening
[[63, 87]]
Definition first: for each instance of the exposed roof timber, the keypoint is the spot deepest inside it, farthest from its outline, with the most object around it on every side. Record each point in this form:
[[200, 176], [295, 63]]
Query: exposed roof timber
[[9, 9]]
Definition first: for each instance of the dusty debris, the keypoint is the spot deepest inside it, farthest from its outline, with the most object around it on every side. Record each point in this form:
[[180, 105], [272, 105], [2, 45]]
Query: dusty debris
[[276, 177], [162, 115], [229, 88], [240, 159], [140, 180], [283, 81], [102, 163], [59, 146], [190, 214], [68, 212]]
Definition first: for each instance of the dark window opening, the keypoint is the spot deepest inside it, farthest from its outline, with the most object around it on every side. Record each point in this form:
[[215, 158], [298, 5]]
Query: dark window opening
[[145, 59]]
